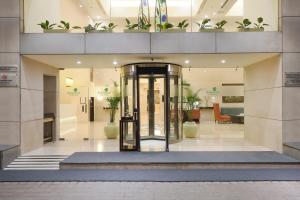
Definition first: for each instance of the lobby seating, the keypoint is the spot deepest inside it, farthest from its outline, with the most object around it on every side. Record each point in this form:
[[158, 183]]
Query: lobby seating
[[219, 117]]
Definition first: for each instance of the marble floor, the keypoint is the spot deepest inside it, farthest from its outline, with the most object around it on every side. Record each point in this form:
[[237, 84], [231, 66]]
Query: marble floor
[[211, 137]]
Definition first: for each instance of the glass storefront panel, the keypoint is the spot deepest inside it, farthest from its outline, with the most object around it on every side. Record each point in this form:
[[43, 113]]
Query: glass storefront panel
[[103, 12]]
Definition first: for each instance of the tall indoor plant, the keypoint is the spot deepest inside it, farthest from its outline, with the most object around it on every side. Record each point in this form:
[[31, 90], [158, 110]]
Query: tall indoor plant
[[192, 100], [113, 99]]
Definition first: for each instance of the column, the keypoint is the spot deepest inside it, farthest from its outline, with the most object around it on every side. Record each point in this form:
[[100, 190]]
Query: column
[[10, 56], [290, 17]]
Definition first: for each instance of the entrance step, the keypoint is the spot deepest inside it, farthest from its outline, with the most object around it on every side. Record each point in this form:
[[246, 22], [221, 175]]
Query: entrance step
[[292, 149], [179, 160], [36, 162]]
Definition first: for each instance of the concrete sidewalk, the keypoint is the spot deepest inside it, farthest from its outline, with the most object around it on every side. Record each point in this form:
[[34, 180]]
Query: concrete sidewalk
[[151, 191]]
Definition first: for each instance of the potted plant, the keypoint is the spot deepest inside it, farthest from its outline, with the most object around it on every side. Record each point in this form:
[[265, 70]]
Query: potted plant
[[113, 99], [260, 25], [144, 24], [63, 27], [108, 28], [204, 26], [165, 27], [219, 26], [92, 28], [130, 28], [182, 25], [46, 26], [191, 98], [244, 26]]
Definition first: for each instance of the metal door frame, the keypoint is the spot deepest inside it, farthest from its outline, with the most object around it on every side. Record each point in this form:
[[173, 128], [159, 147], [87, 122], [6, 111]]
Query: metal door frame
[[155, 71]]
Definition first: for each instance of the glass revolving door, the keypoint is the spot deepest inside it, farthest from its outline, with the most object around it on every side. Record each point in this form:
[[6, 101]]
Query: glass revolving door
[[151, 99]]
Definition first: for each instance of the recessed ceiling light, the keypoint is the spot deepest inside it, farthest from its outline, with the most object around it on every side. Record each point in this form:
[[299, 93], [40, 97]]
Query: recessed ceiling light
[[187, 62], [78, 62], [223, 61], [98, 17], [80, 6], [115, 63]]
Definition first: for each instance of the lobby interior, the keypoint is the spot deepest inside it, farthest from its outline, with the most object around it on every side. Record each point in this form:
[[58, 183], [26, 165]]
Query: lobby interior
[[79, 125]]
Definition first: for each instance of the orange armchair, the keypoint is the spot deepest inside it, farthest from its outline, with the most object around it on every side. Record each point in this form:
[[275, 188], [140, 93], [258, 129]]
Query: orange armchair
[[218, 117]]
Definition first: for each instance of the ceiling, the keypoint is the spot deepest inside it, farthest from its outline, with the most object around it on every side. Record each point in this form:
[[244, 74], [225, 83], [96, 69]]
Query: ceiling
[[195, 60], [102, 9]]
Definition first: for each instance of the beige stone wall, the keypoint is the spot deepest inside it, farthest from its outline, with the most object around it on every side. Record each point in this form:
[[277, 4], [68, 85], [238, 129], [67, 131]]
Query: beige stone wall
[[10, 55], [291, 63], [263, 103], [32, 102]]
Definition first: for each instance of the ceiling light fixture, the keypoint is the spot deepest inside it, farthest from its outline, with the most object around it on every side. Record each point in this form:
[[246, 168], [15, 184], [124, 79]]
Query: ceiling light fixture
[[115, 63], [80, 6], [223, 61], [78, 62], [187, 62]]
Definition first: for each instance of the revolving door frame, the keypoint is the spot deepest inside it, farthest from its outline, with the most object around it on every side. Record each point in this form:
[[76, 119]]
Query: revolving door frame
[[138, 71]]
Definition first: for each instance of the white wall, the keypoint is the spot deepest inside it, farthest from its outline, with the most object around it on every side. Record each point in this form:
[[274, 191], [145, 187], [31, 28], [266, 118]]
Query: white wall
[[36, 11], [70, 107], [207, 78], [263, 103], [268, 9], [104, 78]]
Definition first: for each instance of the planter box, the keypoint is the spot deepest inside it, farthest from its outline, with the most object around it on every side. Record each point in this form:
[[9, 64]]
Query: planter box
[[56, 31], [135, 31], [99, 31], [174, 30], [211, 30], [251, 30]]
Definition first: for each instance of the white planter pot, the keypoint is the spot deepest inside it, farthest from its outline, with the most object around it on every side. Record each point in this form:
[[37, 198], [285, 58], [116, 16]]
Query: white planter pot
[[209, 30], [99, 31], [135, 31], [190, 129], [174, 30], [56, 31], [111, 131], [251, 30]]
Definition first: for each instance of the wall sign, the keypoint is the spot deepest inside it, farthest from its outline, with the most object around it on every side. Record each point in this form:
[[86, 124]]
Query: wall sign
[[292, 79], [9, 76]]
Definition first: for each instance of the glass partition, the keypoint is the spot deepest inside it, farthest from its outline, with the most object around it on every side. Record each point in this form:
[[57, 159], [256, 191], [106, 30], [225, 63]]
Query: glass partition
[[99, 13]]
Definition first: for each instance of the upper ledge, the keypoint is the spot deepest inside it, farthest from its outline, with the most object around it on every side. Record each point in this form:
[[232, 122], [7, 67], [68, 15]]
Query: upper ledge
[[146, 43]]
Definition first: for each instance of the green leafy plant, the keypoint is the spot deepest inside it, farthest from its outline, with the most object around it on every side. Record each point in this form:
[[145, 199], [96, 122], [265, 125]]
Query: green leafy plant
[[90, 28], [144, 23], [191, 98], [113, 99], [46, 25], [109, 28], [183, 24], [66, 25], [260, 23], [129, 25], [220, 24], [244, 25], [204, 24], [165, 26]]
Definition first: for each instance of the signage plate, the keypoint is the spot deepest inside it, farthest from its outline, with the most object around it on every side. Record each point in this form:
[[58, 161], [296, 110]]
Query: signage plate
[[9, 76]]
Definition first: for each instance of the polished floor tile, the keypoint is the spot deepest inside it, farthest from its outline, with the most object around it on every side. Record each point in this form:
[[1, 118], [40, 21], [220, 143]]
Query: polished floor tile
[[211, 137]]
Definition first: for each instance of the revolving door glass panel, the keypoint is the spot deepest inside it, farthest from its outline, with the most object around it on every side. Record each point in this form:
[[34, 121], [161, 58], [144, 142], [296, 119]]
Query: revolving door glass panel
[[151, 95], [152, 112], [129, 137]]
